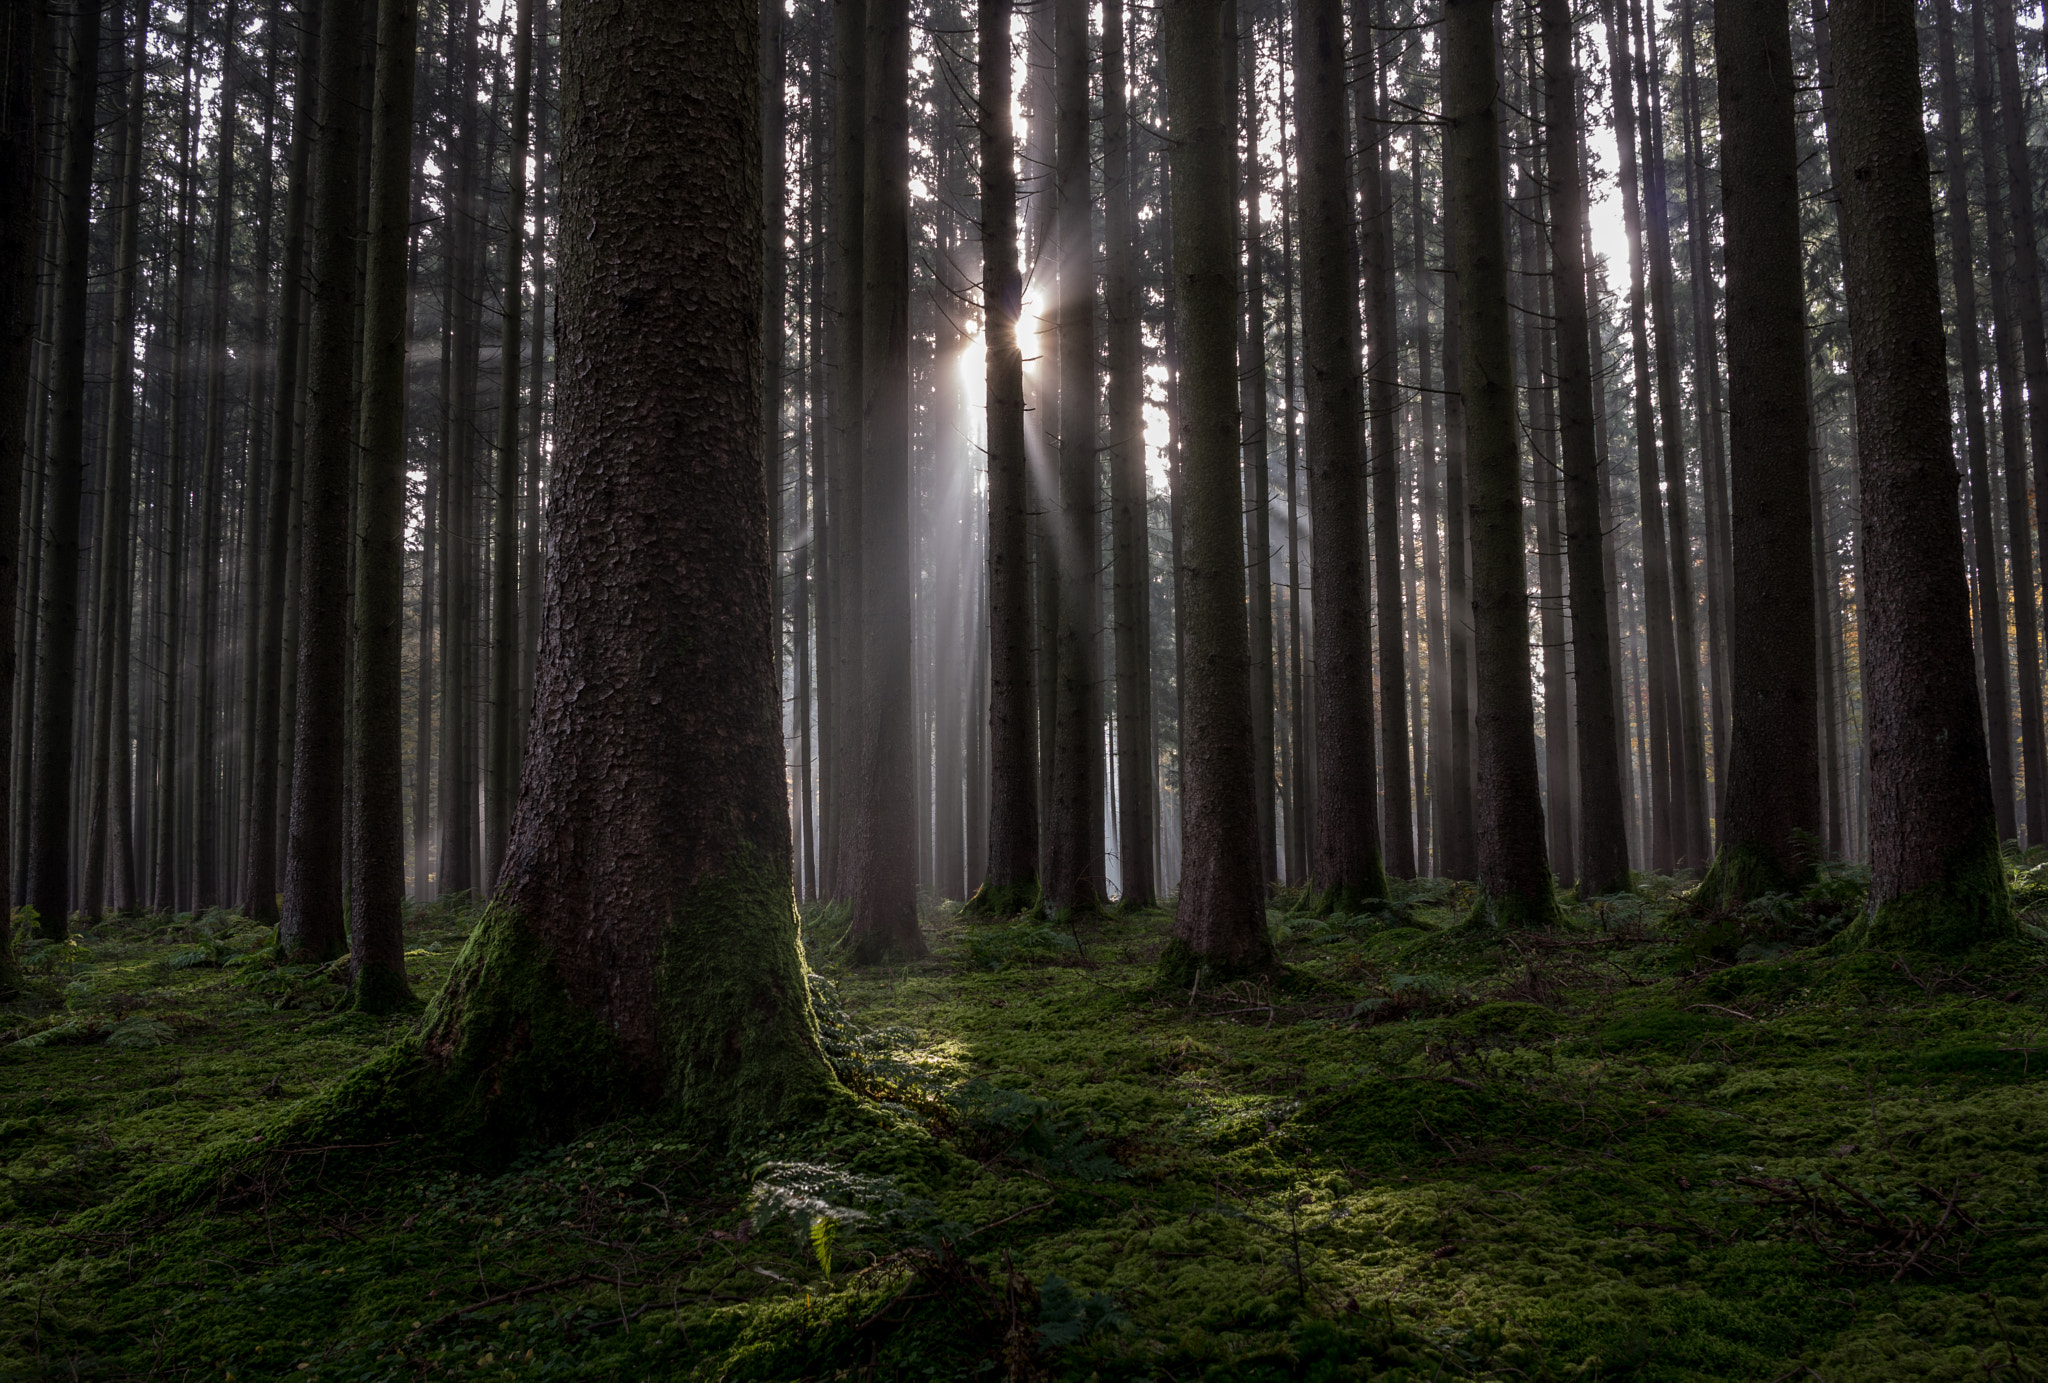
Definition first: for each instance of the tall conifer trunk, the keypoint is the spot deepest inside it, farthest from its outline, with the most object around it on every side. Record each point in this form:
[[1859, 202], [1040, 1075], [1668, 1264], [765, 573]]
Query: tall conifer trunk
[[1771, 804], [1347, 861], [21, 45], [1937, 879], [1602, 856], [49, 863], [1220, 929], [1514, 876], [312, 927]]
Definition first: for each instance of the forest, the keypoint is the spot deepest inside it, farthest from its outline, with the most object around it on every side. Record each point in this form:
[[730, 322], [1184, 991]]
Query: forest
[[1023, 690]]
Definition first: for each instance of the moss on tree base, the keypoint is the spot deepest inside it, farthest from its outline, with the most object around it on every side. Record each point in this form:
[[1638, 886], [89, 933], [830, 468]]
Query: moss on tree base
[[1968, 907], [378, 990], [1180, 966], [1743, 871], [1514, 911], [997, 901], [1342, 900]]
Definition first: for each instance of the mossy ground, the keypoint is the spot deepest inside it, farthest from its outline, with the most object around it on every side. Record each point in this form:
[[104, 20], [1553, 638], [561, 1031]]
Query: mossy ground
[[1660, 1144]]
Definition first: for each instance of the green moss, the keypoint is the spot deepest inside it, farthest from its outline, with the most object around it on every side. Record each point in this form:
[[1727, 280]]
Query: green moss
[[995, 901], [1345, 899], [1969, 906], [378, 990], [1181, 967], [1515, 910], [740, 1040], [1744, 870]]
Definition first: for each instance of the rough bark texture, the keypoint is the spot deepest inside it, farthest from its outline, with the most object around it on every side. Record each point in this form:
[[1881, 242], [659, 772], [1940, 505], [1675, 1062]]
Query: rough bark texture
[[643, 945], [1255, 442], [1514, 875], [312, 927], [884, 922], [377, 826], [1131, 539], [1221, 926], [1073, 844], [1936, 877], [1347, 863], [1770, 803], [1602, 856]]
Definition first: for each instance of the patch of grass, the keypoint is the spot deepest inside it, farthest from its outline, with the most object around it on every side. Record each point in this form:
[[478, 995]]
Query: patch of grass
[[1603, 1152]]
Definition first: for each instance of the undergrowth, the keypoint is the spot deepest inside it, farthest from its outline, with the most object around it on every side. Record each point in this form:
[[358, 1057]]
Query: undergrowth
[[1667, 1143]]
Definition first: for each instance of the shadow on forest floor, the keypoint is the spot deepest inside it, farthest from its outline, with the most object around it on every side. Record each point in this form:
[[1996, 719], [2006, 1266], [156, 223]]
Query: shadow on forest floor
[[1662, 1145]]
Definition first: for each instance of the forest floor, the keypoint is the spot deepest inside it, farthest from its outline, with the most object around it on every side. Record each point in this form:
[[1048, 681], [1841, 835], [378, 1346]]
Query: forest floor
[[1662, 1145]]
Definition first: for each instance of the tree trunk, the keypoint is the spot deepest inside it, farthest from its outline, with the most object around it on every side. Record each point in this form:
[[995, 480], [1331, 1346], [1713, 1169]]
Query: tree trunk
[[1073, 844], [1254, 441], [312, 926], [884, 924], [646, 931], [1771, 804], [1937, 881], [1220, 930], [1602, 857], [21, 44], [503, 782], [1127, 487], [1689, 748], [1514, 877], [110, 721], [1383, 455], [2033, 746], [49, 863], [1011, 884], [376, 890], [1348, 865], [844, 267]]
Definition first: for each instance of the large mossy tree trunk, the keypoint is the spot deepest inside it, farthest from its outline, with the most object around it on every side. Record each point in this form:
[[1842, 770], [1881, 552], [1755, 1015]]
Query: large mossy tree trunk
[[376, 882], [1602, 844], [642, 945], [1937, 879], [1771, 803], [1347, 862], [1514, 873], [1221, 927], [1011, 882]]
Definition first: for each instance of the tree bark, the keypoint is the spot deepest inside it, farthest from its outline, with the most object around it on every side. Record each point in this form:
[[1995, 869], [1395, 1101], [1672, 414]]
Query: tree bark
[[503, 784], [1664, 810], [1348, 865], [2011, 407], [1255, 442], [312, 925], [110, 721], [1131, 539], [1771, 804], [377, 981], [643, 933], [1073, 844], [49, 863], [884, 924], [1602, 856], [1937, 880], [1220, 929], [1514, 876]]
